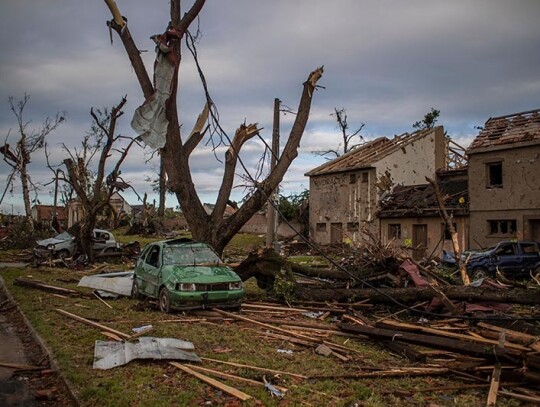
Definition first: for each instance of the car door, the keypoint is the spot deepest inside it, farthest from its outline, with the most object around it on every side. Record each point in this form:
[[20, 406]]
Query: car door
[[99, 240], [530, 253], [151, 274], [507, 258]]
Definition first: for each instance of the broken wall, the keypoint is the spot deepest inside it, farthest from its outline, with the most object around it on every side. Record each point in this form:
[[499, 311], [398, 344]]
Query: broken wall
[[342, 203], [398, 231]]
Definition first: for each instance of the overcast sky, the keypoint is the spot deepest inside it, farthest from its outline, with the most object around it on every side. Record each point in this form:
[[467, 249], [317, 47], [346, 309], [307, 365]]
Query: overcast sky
[[386, 62]]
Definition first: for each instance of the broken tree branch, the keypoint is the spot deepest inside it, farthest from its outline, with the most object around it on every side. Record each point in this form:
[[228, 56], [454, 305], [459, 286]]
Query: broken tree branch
[[450, 227]]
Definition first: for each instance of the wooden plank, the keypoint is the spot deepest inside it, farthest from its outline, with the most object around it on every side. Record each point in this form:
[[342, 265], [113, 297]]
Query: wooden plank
[[400, 372], [525, 339], [412, 327], [494, 386], [522, 397], [17, 366], [111, 336], [212, 382], [258, 368], [268, 326], [25, 282], [91, 323], [102, 300], [224, 375], [455, 345]]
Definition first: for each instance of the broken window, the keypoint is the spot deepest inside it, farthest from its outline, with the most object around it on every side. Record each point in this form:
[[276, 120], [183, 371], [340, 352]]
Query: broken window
[[506, 249], [502, 227], [494, 175], [321, 227], [394, 231], [446, 233], [153, 257], [352, 179], [529, 248], [353, 226]]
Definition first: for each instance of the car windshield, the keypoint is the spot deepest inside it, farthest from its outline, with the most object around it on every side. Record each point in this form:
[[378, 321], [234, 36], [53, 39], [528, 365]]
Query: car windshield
[[63, 236], [186, 255]]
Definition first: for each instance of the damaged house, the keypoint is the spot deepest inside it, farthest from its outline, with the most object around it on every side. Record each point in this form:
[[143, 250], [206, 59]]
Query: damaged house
[[410, 216], [504, 168], [345, 192]]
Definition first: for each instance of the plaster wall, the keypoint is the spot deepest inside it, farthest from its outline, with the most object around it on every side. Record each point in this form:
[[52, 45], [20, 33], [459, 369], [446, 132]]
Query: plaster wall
[[349, 199], [435, 229], [517, 199], [411, 164]]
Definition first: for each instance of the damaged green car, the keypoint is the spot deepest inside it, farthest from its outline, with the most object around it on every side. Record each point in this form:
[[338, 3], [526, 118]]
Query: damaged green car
[[183, 274]]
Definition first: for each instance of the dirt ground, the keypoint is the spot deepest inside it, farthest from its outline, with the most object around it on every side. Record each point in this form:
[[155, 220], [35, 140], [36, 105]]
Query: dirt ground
[[43, 387]]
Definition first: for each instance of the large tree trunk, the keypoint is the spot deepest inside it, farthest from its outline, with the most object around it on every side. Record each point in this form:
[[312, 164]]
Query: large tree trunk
[[162, 189], [212, 229], [26, 191], [411, 295], [85, 236]]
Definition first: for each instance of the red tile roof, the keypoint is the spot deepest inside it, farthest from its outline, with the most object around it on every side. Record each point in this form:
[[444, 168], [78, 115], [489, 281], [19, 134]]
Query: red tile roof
[[510, 129]]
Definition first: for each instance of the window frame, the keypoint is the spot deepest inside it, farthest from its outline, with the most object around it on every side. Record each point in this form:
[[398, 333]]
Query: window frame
[[491, 178], [392, 228]]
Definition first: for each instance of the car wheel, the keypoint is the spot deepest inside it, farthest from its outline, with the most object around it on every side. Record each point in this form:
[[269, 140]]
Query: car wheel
[[109, 250], [164, 300], [63, 254], [135, 293], [479, 273]]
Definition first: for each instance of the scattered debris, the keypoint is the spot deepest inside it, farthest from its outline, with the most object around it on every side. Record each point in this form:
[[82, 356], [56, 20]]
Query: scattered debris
[[40, 285], [108, 354], [117, 283], [272, 389]]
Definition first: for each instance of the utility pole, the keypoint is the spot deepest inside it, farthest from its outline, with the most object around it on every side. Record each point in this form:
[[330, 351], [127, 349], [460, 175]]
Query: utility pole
[[271, 218], [54, 221]]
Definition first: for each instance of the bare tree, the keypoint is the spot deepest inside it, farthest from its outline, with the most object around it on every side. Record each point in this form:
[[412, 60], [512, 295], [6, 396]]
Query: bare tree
[[29, 141], [161, 102], [93, 187], [349, 142]]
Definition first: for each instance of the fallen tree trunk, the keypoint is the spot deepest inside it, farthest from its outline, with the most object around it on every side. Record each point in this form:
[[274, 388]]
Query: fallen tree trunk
[[266, 263], [453, 345], [416, 294]]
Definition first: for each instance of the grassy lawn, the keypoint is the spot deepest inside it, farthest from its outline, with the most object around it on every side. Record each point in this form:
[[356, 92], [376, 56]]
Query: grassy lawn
[[156, 383]]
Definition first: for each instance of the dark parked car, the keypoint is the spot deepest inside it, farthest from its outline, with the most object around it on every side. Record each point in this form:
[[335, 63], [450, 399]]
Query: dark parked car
[[184, 274], [514, 259]]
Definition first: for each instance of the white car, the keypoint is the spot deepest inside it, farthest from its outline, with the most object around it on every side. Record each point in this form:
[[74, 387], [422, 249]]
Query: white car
[[63, 245]]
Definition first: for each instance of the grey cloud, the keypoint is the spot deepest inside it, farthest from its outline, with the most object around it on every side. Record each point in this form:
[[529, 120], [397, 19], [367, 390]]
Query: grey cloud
[[386, 62]]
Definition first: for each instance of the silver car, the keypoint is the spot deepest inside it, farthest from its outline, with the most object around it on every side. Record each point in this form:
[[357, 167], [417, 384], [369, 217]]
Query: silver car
[[63, 245]]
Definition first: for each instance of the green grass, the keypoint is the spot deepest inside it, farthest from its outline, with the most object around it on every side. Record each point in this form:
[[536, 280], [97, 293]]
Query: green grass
[[156, 383]]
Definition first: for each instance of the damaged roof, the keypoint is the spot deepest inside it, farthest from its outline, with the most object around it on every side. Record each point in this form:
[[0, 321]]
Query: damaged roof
[[510, 129], [421, 200], [368, 154]]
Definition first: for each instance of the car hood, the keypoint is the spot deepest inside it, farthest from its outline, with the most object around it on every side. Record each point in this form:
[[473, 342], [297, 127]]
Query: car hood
[[51, 240], [200, 274]]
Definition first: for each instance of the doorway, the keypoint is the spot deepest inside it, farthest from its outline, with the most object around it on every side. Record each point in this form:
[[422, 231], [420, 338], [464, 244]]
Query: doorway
[[336, 233], [419, 241]]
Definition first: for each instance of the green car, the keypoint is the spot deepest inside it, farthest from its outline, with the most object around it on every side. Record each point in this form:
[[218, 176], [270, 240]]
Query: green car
[[183, 274]]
